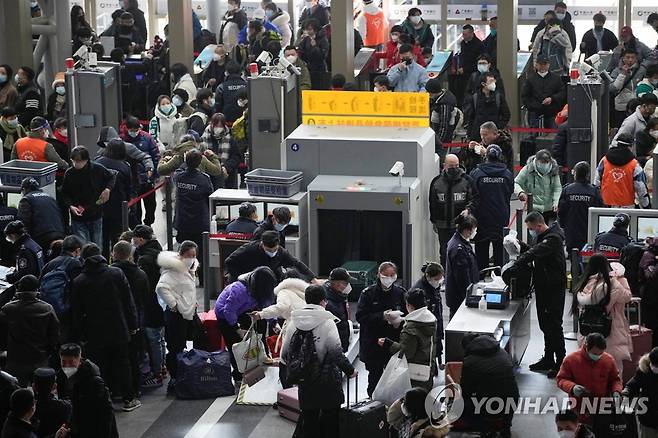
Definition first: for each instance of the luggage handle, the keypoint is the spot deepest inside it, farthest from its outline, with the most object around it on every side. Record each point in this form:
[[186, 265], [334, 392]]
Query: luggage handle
[[637, 301], [356, 390]]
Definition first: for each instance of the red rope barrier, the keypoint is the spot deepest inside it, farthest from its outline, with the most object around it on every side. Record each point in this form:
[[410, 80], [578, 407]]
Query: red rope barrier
[[144, 195], [535, 130], [513, 219]]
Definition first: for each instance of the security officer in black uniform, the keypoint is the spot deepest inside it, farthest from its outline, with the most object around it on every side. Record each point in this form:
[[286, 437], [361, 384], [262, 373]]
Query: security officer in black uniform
[[40, 214], [575, 200], [245, 223], [7, 250], [29, 256], [614, 240], [193, 188]]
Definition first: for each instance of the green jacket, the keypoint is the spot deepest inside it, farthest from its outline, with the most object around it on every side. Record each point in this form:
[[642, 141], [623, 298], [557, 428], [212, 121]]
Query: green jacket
[[304, 81], [545, 189], [211, 165], [417, 339]]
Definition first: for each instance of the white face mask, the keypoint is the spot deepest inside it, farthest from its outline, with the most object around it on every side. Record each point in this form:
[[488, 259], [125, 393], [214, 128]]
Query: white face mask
[[567, 434], [561, 16], [189, 262], [474, 233], [403, 409], [415, 19], [347, 289], [242, 103], [395, 38], [542, 73], [435, 283], [654, 369], [218, 131], [292, 58], [654, 134], [64, 132], [491, 86], [9, 240], [271, 254], [387, 282], [216, 57], [69, 371]]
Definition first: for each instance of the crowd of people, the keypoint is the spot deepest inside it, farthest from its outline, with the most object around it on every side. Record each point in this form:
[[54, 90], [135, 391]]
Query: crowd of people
[[94, 314]]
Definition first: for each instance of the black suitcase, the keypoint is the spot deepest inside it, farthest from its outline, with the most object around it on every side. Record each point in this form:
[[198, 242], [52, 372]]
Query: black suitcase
[[366, 419], [527, 149]]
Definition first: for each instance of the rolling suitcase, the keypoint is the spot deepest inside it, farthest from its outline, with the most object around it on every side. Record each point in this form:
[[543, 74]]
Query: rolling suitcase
[[287, 401], [213, 338], [642, 341], [362, 419]]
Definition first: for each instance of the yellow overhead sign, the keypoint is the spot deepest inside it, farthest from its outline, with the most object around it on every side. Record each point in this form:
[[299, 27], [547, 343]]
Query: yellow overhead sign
[[363, 108]]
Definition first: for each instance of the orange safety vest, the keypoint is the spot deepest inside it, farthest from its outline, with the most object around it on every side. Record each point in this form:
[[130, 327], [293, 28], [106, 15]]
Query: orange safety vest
[[376, 29], [617, 186], [31, 149]]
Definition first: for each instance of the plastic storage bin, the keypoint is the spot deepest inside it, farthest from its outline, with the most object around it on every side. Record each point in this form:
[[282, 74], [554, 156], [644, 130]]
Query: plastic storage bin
[[275, 183], [365, 273], [13, 172]]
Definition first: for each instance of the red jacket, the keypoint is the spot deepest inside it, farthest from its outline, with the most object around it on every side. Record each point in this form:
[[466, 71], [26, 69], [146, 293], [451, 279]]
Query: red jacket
[[393, 57], [600, 378]]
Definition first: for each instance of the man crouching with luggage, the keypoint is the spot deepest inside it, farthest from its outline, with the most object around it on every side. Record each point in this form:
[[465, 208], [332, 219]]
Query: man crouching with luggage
[[313, 354]]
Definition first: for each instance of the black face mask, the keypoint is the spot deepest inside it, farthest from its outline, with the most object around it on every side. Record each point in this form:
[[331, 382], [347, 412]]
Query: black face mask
[[598, 28], [453, 172]]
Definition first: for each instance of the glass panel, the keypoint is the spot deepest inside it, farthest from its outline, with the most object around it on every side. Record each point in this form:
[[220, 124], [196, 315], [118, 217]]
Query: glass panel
[[641, 10], [582, 12]]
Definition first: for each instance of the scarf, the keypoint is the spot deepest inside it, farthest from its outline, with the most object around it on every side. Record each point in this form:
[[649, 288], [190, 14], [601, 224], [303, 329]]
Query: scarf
[[61, 138], [59, 103], [219, 144], [13, 134]]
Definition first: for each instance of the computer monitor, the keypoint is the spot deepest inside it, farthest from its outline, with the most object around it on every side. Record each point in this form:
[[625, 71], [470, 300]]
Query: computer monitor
[[647, 227], [605, 223], [233, 212], [108, 44]]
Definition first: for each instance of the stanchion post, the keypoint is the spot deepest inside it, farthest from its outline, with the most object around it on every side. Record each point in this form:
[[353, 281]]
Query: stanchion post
[[575, 273], [125, 216], [169, 214], [654, 185], [529, 209], [519, 224], [206, 271]]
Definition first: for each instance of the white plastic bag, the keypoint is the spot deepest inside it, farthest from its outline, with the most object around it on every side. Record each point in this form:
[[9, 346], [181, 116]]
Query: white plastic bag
[[394, 382], [250, 352], [511, 244]]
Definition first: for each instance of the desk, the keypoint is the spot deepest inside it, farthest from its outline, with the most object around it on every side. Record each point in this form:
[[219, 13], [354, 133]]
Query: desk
[[514, 321]]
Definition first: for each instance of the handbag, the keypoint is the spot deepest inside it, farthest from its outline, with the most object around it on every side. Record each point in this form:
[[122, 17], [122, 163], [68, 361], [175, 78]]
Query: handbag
[[422, 372], [250, 352], [394, 382], [594, 318]]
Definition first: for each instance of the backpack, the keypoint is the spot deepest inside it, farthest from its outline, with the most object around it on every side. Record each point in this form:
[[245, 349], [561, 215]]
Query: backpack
[[302, 360], [594, 318], [499, 100], [630, 257], [55, 290], [182, 125]]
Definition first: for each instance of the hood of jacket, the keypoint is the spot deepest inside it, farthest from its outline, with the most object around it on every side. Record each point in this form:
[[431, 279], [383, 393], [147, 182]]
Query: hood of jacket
[[170, 260], [620, 155], [504, 138], [259, 280], [553, 229], [282, 19], [311, 316], [483, 345], [532, 166], [106, 134], [94, 264], [295, 285], [160, 115], [422, 315], [493, 168], [150, 247], [183, 147], [645, 364]]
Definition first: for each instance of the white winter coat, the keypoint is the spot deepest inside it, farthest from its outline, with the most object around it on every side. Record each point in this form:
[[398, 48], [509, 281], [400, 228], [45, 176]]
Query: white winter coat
[[164, 124], [322, 322], [177, 285], [289, 296], [282, 22], [187, 83]]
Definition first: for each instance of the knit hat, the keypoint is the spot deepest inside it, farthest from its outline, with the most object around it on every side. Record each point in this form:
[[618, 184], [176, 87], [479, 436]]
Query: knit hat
[[433, 85], [494, 152], [59, 78]]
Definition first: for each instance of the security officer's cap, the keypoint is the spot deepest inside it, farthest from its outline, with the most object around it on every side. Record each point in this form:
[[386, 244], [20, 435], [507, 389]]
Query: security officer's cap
[[14, 227], [622, 220]]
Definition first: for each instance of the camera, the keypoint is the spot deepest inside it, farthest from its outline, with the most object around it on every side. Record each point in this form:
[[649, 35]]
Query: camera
[[397, 169]]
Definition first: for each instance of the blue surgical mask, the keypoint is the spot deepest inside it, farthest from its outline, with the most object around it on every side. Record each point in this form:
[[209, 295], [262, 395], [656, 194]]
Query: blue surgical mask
[[166, 109], [271, 254], [544, 168], [60, 90], [483, 68], [3, 78], [13, 123], [280, 227], [594, 357], [176, 100], [269, 14]]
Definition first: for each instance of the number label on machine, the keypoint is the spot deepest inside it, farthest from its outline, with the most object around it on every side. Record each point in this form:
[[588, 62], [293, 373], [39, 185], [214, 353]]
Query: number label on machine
[[362, 108]]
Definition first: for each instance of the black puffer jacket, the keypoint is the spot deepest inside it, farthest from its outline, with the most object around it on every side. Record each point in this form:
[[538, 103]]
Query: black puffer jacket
[[536, 89], [93, 415], [449, 196], [434, 304], [480, 108], [102, 306], [139, 286], [337, 305], [487, 372], [645, 384], [146, 257], [550, 268]]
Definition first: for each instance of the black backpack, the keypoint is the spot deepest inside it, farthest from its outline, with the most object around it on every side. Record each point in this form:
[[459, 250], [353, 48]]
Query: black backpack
[[594, 318], [302, 360], [630, 257]]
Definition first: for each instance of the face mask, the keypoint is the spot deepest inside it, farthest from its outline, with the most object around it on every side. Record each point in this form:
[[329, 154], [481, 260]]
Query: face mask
[[594, 357], [654, 369], [435, 283], [483, 68], [415, 19], [12, 123], [280, 227], [567, 434], [347, 289], [494, 32], [543, 168], [491, 86], [560, 16], [542, 73], [17, 79], [377, 90], [9, 240], [211, 103], [452, 172], [69, 371], [291, 59], [474, 233], [533, 233], [60, 90], [189, 262], [216, 57], [387, 282], [271, 254], [403, 409], [64, 132], [395, 38], [166, 109], [654, 134], [3, 78], [177, 101], [133, 134], [218, 131], [269, 14], [242, 103], [598, 28]]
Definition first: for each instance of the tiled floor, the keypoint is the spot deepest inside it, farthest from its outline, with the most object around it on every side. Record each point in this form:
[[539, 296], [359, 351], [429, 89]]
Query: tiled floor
[[164, 416]]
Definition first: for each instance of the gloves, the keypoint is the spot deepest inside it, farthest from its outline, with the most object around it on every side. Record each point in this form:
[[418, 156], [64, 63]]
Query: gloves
[[616, 396], [579, 390]]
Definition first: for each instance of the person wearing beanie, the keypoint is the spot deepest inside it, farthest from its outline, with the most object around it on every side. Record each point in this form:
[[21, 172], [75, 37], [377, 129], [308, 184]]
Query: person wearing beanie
[[620, 176], [495, 184], [29, 103], [615, 239], [40, 214], [57, 100], [35, 146], [30, 330], [10, 131], [51, 412], [179, 98]]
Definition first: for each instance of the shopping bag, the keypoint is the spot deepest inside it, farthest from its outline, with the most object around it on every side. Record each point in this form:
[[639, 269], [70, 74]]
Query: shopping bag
[[274, 344], [395, 381], [615, 425], [204, 375], [250, 352]]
